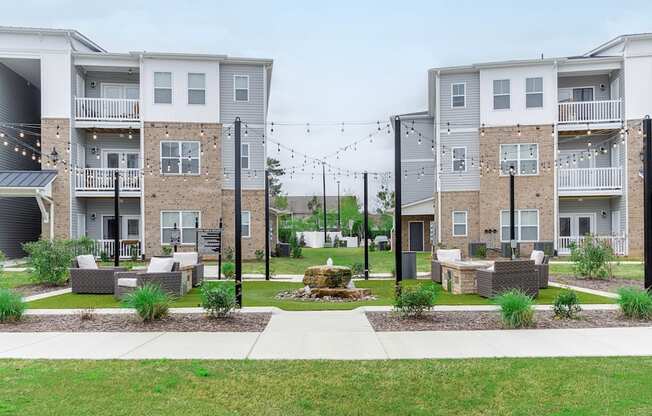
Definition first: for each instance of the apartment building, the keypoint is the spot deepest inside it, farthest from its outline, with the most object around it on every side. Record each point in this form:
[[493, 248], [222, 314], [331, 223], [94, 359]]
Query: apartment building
[[570, 130], [164, 121]]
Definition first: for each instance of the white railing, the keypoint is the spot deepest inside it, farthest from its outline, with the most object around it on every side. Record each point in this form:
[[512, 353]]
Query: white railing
[[128, 248], [587, 179], [617, 243], [102, 179], [590, 111], [107, 109]]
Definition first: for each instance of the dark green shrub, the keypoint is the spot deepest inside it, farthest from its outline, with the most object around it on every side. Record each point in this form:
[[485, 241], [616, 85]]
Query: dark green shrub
[[150, 302], [567, 305], [12, 306], [104, 256], [591, 258], [372, 246], [413, 302], [516, 309], [166, 250], [218, 298], [83, 245], [295, 248], [357, 269], [635, 303], [228, 270], [260, 255], [481, 252], [50, 260]]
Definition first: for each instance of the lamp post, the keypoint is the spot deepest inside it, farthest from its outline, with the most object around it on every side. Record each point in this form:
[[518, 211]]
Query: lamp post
[[512, 226], [323, 176], [398, 259], [238, 214], [116, 219], [366, 229], [647, 201], [338, 207]]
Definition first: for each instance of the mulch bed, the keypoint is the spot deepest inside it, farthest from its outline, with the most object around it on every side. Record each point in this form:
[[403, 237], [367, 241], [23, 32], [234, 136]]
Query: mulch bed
[[607, 285], [236, 322], [36, 289], [459, 321]]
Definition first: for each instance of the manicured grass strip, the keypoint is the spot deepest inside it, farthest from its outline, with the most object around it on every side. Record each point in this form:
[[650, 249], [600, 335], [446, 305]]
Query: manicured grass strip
[[12, 280], [541, 386], [263, 294], [620, 271]]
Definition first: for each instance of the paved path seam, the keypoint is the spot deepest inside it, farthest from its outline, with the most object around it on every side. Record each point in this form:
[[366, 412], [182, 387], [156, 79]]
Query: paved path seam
[[602, 293], [157, 336]]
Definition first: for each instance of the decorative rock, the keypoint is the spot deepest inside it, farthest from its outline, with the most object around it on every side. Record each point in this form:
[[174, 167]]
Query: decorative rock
[[328, 293], [327, 277]]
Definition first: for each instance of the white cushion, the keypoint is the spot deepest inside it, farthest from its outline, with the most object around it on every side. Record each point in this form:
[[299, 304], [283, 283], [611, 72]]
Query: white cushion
[[490, 268], [185, 259], [127, 282], [160, 265], [537, 256], [449, 255], [86, 261]]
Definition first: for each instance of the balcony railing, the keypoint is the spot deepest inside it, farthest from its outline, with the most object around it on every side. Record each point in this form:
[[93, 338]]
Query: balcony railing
[[617, 243], [102, 179], [590, 111], [128, 248], [590, 179], [106, 109]]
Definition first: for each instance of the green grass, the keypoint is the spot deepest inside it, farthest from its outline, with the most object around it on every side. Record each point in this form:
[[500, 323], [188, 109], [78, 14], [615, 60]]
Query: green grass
[[621, 271], [519, 387], [11, 280], [263, 294]]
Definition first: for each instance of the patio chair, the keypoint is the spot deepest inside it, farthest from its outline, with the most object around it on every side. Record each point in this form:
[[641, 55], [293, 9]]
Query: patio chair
[[191, 259], [87, 277], [542, 267], [161, 271], [507, 275], [443, 255]]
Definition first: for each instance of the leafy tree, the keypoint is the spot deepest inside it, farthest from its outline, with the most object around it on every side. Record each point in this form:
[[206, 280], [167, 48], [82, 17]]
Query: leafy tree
[[385, 200], [281, 202], [275, 173], [314, 205]]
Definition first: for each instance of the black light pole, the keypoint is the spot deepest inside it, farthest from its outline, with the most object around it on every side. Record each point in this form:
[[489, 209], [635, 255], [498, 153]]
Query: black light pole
[[339, 226], [366, 229], [238, 214], [647, 201], [116, 221], [323, 176], [512, 226], [219, 253], [398, 260], [267, 225]]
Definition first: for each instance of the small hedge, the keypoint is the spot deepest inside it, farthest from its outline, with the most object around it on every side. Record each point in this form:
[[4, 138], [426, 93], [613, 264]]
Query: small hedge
[[413, 302], [12, 306], [228, 270], [567, 305], [635, 303], [516, 309], [150, 301], [218, 298]]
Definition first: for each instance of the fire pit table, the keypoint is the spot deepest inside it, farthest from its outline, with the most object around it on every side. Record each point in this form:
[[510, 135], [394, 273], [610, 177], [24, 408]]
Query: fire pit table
[[458, 276]]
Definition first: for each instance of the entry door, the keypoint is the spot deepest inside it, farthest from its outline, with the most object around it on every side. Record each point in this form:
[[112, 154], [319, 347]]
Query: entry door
[[576, 225], [416, 236], [129, 227]]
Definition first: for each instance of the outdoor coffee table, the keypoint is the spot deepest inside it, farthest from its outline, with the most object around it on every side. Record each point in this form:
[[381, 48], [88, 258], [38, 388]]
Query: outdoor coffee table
[[458, 277]]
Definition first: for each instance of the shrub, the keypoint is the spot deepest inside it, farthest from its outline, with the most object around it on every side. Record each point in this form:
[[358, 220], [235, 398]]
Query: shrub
[[228, 270], [413, 302], [591, 258], [567, 305], [516, 309], [12, 306], [229, 254], [150, 301], [2, 259], [50, 260], [83, 245], [295, 248], [104, 256], [635, 303], [302, 240], [133, 252], [167, 250], [218, 298], [260, 255], [357, 269], [372, 246], [481, 252]]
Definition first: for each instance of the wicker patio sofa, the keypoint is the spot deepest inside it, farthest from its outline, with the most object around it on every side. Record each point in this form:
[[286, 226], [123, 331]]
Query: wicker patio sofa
[[127, 282], [191, 259], [92, 279], [506, 275], [443, 255]]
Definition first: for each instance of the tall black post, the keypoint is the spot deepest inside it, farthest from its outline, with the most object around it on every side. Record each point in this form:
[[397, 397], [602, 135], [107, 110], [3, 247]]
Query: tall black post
[[512, 225], [398, 244], [323, 176], [266, 225], [116, 217], [238, 214], [647, 201], [219, 253], [339, 225], [366, 228]]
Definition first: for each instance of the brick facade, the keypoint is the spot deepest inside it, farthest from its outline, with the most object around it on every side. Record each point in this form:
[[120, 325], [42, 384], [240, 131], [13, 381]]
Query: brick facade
[[61, 185], [405, 234], [634, 189], [254, 202], [459, 201]]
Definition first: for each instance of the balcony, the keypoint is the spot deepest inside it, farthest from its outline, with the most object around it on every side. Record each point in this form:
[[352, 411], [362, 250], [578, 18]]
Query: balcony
[[590, 181], [582, 112], [100, 181], [107, 110], [617, 243]]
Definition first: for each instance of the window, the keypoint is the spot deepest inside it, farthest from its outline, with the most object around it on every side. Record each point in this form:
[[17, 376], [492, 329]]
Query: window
[[186, 221], [526, 225], [196, 88], [244, 156], [246, 224], [459, 159], [533, 92], [162, 88], [501, 94], [459, 223], [458, 95], [179, 157], [523, 157], [241, 88]]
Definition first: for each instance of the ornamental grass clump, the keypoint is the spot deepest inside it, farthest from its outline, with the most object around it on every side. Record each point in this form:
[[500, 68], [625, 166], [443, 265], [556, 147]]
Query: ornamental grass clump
[[635, 303], [218, 298], [12, 306], [567, 305], [150, 302], [516, 309], [413, 302]]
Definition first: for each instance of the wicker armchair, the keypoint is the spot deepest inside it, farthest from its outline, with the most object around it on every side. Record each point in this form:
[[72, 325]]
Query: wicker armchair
[[94, 281], [506, 275], [171, 282], [192, 260], [543, 272]]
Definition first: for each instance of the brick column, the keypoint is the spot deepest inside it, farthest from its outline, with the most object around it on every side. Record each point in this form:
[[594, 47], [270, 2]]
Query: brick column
[[634, 189], [61, 185]]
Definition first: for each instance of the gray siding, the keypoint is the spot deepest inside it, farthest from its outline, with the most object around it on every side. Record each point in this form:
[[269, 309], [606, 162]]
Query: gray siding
[[468, 116], [415, 188], [460, 181], [417, 157], [590, 206], [104, 206], [588, 81], [111, 77], [110, 141]]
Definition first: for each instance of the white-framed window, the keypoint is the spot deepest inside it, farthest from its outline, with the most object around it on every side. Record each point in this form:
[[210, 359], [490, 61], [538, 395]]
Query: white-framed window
[[534, 92], [459, 223], [459, 159], [196, 88], [526, 224], [186, 221], [241, 87], [524, 157], [246, 224], [162, 87], [244, 156], [501, 94], [180, 157], [458, 95]]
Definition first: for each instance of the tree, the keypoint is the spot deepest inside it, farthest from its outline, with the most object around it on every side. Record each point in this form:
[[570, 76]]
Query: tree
[[385, 200], [314, 205], [275, 173], [281, 202]]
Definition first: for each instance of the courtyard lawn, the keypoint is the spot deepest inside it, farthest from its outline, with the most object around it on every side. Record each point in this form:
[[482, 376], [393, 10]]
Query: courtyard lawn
[[524, 386], [13, 280], [259, 293], [620, 271]]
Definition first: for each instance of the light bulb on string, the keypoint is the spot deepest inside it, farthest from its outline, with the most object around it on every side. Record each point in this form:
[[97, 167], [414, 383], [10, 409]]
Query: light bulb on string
[[21, 134]]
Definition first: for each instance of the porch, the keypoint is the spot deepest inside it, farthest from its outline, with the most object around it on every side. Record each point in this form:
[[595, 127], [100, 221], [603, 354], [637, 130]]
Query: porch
[[617, 243], [101, 181], [576, 181], [127, 248], [107, 109]]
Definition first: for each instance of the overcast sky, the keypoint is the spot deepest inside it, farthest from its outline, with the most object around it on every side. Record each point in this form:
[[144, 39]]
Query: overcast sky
[[340, 61]]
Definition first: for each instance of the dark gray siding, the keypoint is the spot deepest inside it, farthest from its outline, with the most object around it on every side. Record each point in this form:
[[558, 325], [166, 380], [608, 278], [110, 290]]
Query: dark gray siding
[[590, 206]]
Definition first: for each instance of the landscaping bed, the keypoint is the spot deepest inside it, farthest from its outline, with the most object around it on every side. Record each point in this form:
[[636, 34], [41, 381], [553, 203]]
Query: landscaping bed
[[607, 285], [460, 321], [236, 322]]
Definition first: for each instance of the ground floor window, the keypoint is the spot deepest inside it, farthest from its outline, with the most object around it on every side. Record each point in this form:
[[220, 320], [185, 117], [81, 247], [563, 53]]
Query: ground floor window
[[459, 223], [526, 225], [185, 221], [246, 224]]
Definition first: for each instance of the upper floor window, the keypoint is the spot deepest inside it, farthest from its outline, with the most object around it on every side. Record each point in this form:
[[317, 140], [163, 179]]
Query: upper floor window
[[523, 158], [162, 88], [458, 95], [533, 92], [196, 88], [459, 159], [244, 156], [241, 87], [180, 157], [501, 94]]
